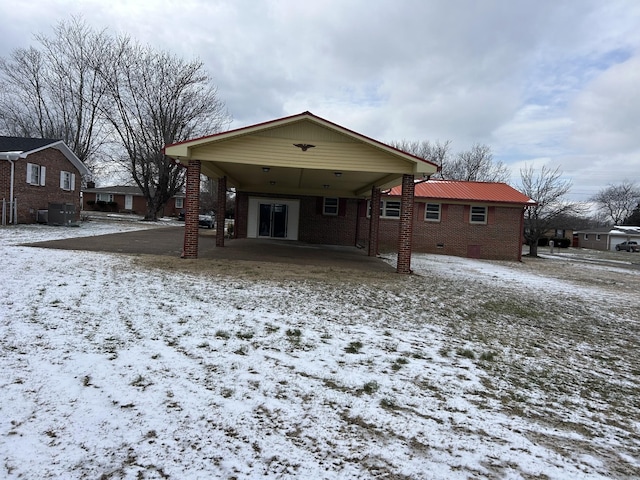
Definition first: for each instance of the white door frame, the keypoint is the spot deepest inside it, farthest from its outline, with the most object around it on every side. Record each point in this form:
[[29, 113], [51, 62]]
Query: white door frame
[[293, 216]]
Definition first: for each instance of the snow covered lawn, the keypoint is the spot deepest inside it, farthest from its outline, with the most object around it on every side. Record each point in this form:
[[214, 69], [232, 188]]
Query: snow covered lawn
[[125, 367]]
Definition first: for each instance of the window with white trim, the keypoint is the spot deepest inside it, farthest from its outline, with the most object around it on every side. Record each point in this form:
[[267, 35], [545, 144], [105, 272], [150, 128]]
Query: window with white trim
[[432, 212], [36, 174], [388, 208], [586, 236], [598, 237], [179, 202], [478, 214], [67, 181], [330, 206], [104, 197]]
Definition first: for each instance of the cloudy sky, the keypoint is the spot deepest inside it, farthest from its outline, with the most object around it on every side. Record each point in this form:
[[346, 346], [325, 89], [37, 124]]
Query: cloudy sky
[[543, 82]]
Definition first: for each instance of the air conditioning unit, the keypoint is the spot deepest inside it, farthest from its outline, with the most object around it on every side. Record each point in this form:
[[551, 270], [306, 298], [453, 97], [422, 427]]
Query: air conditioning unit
[[61, 214], [42, 216]]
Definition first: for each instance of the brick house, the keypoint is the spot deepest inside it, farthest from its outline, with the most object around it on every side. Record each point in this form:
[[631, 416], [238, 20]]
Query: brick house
[[465, 219], [307, 179], [125, 199], [36, 173]]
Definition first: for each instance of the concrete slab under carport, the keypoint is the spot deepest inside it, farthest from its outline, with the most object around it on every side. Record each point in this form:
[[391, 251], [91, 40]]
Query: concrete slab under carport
[[168, 242]]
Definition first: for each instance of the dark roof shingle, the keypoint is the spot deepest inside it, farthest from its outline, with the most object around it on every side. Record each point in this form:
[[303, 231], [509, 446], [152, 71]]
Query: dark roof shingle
[[22, 144]]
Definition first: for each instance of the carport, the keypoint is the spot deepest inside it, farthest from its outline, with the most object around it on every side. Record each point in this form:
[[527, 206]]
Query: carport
[[273, 165]]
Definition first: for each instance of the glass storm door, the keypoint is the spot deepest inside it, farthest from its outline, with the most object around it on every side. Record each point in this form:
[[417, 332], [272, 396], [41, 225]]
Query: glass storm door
[[272, 221], [128, 202]]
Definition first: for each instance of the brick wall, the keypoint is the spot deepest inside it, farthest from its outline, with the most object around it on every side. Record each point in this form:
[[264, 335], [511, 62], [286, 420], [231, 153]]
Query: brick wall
[[241, 214], [31, 198], [499, 239], [313, 227], [192, 210], [5, 179], [328, 229], [593, 242]]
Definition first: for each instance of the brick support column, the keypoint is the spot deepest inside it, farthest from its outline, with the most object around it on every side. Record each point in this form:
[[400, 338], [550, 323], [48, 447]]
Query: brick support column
[[374, 222], [405, 234], [192, 210], [222, 208]]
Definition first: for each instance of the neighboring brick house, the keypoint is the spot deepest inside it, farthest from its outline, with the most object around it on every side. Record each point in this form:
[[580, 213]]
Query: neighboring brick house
[[36, 173], [125, 199]]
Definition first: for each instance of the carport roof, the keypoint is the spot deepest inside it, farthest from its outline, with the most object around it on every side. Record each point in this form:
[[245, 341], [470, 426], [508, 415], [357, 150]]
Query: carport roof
[[301, 154]]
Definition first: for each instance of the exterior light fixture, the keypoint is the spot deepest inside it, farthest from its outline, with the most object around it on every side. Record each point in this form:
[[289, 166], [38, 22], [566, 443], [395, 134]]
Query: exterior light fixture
[[337, 174], [265, 169], [272, 182], [326, 185]]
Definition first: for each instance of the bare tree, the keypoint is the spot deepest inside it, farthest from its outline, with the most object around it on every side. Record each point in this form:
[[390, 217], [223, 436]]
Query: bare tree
[[52, 91], [475, 165], [438, 152], [617, 202], [156, 99], [108, 97], [548, 190]]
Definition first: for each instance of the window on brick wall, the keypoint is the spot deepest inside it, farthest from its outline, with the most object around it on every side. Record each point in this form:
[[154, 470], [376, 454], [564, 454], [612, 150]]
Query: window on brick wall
[[179, 202], [432, 212], [586, 236], [478, 214], [36, 174], [67, 181], [388, 208], [330, 206], [104, 197]]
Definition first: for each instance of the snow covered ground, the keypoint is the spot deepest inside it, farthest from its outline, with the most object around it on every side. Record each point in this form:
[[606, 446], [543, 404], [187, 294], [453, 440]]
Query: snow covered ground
[[116, 368]]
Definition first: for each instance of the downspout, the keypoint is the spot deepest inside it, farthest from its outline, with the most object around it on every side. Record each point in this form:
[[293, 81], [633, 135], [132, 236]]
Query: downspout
[[12, 157]]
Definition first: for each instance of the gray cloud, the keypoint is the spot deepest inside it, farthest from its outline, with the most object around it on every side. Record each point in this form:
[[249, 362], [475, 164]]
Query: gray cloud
[[544, 82]]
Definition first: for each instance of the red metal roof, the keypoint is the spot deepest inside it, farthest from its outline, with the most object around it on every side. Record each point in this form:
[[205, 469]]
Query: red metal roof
[[468, 191]]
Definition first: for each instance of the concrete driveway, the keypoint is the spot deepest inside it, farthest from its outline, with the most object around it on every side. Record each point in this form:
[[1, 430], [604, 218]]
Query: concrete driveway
[[169, 241]]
